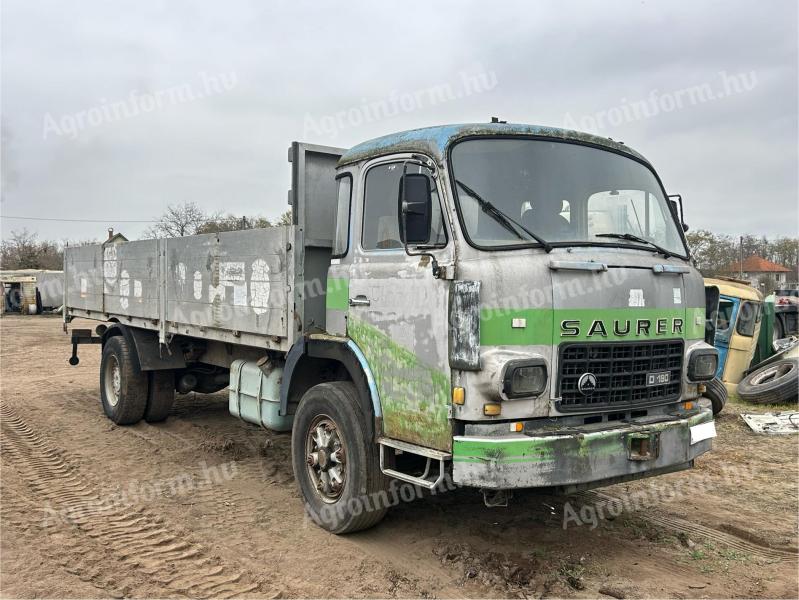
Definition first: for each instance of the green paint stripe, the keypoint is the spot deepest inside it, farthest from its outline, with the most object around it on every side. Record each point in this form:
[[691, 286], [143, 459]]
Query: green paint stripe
[[695, 322], [600, 443], [338, 293], [543, 324], [496, 330]]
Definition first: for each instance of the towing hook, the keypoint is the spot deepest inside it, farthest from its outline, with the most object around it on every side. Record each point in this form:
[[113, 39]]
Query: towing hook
[[82, 336]]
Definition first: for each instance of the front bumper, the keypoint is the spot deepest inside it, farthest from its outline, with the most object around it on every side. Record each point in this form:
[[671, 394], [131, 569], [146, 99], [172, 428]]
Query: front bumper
[[577, 456]]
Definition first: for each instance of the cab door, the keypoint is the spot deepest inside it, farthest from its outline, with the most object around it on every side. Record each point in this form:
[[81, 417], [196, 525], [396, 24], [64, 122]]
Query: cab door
[[397, 309], [725, 326]]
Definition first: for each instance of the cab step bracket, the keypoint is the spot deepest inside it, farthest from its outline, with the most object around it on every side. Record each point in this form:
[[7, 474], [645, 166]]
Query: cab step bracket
[[424, 480]]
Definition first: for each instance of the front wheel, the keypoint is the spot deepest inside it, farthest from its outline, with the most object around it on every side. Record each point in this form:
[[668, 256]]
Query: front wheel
[[716, 391], [336, 465]]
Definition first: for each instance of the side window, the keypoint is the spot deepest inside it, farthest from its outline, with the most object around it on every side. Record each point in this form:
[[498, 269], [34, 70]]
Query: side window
[[749, 316], [726, 308], [380, 215], [342, 226]]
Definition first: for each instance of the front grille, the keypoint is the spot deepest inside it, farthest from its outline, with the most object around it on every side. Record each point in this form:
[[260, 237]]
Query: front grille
[[621, 370]]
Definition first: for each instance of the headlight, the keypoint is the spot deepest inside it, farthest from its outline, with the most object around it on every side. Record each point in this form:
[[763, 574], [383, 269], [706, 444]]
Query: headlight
[[702, 364], [524, 378]]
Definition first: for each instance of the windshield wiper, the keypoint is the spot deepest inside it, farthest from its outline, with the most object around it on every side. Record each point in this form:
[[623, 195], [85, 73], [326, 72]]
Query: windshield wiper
[[635, 238], [503, 219]]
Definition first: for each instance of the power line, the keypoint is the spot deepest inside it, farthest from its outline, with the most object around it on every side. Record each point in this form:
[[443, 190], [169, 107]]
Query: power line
[[77, 220]]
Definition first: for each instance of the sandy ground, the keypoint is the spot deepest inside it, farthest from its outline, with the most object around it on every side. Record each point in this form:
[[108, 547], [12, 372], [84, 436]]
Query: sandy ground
[[205, 506]]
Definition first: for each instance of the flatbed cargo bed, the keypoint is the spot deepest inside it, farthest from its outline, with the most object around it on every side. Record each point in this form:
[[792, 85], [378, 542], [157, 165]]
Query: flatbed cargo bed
[[229, 287]]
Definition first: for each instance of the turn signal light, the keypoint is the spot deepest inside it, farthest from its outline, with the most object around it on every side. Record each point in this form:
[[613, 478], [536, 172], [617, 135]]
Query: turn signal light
[[688, 405], [517, 427], [492, 410], [458, 395]]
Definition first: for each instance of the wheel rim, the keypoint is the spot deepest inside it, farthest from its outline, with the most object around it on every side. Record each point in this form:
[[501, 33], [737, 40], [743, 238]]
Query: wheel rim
[[113, 380], [326, 458], [772, 373]]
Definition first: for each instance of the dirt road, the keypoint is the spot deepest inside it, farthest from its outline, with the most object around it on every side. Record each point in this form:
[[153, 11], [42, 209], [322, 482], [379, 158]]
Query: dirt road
[[205, 506]]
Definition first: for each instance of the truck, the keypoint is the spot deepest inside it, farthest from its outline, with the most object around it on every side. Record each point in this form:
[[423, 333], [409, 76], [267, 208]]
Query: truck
[[496, 306]]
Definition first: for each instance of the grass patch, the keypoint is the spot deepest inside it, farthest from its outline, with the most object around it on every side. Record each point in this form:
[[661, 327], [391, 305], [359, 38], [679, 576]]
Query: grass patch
[[697, 554]]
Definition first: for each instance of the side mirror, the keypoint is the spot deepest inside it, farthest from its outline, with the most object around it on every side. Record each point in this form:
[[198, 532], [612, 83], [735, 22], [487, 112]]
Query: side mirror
[[678, 216], [415, 208]]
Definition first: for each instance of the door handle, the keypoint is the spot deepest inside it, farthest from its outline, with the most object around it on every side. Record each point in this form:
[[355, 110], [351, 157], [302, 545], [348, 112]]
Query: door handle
[[359, 300]]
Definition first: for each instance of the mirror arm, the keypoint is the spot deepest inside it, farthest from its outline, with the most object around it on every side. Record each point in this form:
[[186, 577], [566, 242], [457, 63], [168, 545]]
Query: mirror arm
[[425, 162]]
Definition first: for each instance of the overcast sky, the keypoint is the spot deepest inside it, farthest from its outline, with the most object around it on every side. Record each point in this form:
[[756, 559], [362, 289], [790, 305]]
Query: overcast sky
[[113, 110]]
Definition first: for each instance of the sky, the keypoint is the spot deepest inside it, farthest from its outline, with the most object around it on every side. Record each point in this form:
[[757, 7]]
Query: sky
[[111, 111]]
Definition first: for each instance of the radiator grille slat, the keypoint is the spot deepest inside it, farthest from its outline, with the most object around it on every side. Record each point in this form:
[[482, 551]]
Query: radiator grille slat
[[621, 370]]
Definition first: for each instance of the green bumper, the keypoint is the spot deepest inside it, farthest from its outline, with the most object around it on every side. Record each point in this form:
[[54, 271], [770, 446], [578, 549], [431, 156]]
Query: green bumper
[[582, 456]]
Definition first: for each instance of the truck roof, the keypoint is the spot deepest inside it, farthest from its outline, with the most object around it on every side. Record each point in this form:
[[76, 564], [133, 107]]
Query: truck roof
[[434, 140], [737, 288]]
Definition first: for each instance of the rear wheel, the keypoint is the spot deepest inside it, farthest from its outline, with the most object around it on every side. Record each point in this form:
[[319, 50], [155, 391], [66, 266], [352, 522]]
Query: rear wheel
[[774, 383], [337, 467], [123, 387], [160, 396], [716, 392]]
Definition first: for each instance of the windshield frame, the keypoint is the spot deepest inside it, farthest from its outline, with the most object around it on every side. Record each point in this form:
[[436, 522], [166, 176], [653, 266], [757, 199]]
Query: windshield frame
[[556, 244]]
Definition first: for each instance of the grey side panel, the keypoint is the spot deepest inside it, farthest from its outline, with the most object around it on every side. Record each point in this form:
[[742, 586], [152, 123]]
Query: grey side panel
[[130, 279], [83, 276], [313, 206], [230, 287], [464, 330], [234, 281], [313, 191]]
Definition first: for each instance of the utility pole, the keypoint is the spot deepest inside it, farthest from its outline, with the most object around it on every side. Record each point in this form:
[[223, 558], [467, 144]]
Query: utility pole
[[741, 264]]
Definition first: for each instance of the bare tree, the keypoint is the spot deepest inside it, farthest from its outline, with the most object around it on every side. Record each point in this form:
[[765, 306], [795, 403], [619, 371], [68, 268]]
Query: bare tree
[[218, 223], [23, 250], [178, 220], [189, 219]]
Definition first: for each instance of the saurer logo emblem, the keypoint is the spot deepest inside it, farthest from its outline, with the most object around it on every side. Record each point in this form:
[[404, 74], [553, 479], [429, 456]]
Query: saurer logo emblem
[[622, 328], [586, 384]]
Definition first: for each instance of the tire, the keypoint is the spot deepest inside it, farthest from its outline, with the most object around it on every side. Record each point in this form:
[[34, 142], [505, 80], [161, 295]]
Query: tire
[[775, 383], [716, 392], [356, 503], [123, 387], [160, 395]]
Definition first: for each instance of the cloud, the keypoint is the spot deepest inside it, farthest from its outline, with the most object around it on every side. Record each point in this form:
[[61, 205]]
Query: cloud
[[733, 159]]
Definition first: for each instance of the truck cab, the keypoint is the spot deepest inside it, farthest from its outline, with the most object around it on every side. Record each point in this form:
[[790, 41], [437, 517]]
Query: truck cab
[[525, 302], [737, 327]]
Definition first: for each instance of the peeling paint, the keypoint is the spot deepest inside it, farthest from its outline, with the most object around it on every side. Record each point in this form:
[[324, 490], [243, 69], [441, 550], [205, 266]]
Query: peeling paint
[[433, 141], [414, 396]]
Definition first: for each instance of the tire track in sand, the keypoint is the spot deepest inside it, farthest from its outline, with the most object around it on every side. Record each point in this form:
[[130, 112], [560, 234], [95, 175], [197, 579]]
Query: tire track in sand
[[121, 547], [672, 523]]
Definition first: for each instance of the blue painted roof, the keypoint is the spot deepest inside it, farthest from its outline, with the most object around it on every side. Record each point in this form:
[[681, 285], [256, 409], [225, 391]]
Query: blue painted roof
[[434, 140]]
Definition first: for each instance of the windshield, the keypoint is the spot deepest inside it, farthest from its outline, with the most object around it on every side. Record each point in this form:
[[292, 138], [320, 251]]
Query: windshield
[[562, 192]]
